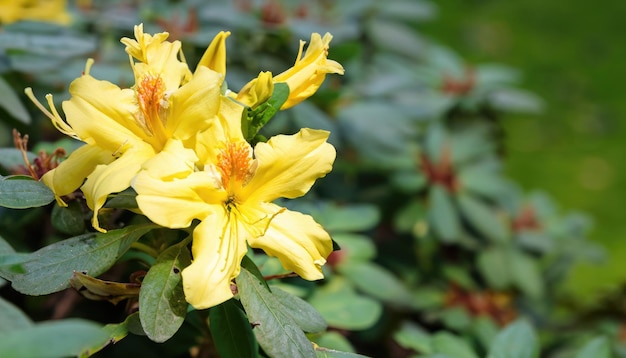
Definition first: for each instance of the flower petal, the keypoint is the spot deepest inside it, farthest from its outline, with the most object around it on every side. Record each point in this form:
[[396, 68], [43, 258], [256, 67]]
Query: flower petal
[[195, 104], [102, 114], [215, 55], [289, 165], [170, 193], [113, 178], [217, 250], [309, 71], [71, 173], [301, 244]]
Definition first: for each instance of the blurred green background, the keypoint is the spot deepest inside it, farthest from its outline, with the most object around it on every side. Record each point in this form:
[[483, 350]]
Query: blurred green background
[[570, 55]]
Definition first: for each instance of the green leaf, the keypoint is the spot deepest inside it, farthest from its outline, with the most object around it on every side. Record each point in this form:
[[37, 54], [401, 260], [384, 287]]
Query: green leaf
[[343, 308], [52, 339], [456, 318], [305, 315], [23, 193], [494, 263], [517, 340], [50, 269], [276, 331], [126, 199], [249, 265], [69, 220], [596, 348], [485, 330], [334, 340], [231, 331], [413, 337], [12, 158], [264, 112], [322, 352], [11, 103], [162, 305], [115, 333], [11, 318], [453, 346], [340, 218], [376, 281], [526, 275], [355, 247], [443, 217], [483, 218]]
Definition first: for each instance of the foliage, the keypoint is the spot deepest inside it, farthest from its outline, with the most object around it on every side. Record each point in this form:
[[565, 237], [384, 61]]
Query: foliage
[[437, 253]]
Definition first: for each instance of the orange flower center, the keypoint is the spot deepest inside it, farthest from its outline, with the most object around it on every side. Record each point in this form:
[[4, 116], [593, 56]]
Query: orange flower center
[[152, 105], [236, 166]]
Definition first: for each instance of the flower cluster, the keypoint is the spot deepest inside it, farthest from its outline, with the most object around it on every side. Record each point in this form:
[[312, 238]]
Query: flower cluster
[[176, 138]]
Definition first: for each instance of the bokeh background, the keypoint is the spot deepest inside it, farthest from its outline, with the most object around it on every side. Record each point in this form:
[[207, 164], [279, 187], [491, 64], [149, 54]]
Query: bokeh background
[[570, 55]]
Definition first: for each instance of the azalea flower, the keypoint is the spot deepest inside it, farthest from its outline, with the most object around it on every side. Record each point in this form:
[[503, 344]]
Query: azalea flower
[[231, 193], [304, 78], [123, 128], [38, 10]]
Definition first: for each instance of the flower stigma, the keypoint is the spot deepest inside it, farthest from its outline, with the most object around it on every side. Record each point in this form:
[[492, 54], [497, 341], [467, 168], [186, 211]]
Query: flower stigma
[[152, 101]]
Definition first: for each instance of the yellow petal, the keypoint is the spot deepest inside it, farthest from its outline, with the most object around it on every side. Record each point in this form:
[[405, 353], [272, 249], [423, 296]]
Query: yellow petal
[[301, 244], [170, 193], [195, 104], [257, 91], [289, 165], [172, 204], [309, 71], [113, 178], [215, 55], [226, 129], [71, 173], [102, 114], [217, 252]]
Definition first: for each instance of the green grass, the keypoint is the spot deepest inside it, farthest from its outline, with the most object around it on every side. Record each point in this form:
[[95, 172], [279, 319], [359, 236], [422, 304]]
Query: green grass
[[571, 54]]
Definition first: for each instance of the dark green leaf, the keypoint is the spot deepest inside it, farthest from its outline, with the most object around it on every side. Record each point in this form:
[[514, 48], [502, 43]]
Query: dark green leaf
[[342, 308], [52, 339], [23, 193], [12, 158], [162, 305], [11, 318], [115, 333], [334, 340], [526, 274], [126, 199], [11, 103], [305, 315], [276, 332], [249, 265], [443, 217], [411, 336], [456, 318], [376, 281], [452, 346], [69, 220], [355, 247], [50, 269], [231, 331], [322, 352], [596, 348], [259, 117], [483, 218], [517, 340], [494, 263]]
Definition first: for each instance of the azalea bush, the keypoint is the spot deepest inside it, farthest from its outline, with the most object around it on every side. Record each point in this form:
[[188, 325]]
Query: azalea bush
[[174, 183]]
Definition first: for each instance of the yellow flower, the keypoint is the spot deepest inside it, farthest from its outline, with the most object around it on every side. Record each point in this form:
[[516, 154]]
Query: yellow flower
[[309, 71], [123, 128], [257, 91], [34, 10], [231, 192]]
